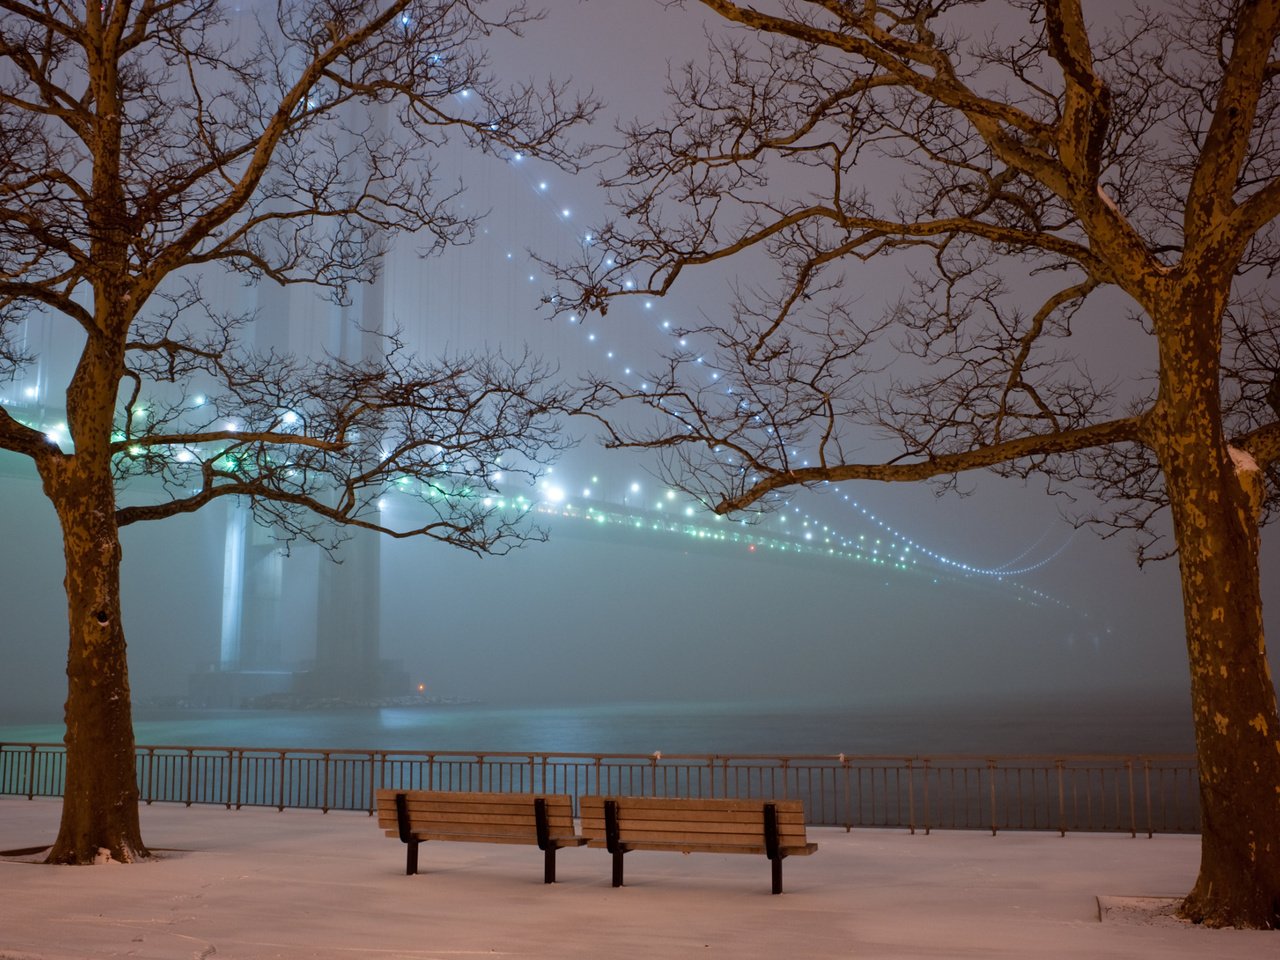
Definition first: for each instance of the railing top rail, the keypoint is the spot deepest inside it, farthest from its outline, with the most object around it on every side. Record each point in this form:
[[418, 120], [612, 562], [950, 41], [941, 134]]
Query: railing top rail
[[664, 758]]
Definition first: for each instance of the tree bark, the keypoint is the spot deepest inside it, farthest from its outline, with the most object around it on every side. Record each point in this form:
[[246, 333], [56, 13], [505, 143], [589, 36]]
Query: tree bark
[[100, 795], [1232, 693]]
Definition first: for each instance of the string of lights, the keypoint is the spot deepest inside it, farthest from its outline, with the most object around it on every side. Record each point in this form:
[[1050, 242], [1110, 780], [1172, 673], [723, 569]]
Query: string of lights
[[905, 550]]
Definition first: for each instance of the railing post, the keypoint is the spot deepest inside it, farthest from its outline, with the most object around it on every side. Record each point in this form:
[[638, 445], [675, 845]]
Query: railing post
[[848, 794], [1146, 780], [228, 772], [1133, 814], [1062, 800], [377, 770], [991, 773], [911, 794], [31, 774], [282, 773], [324, 782]]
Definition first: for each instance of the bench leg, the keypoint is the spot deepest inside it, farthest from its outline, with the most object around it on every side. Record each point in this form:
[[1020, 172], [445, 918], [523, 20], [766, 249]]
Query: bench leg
[[549, 865], [777, 874], [617, 869], [411, 857]]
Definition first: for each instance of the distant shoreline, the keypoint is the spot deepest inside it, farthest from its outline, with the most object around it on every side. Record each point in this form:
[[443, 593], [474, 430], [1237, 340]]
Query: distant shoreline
[[297, 703]]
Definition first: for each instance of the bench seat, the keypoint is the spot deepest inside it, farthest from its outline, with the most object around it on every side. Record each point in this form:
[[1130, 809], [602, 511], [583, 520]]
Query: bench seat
[[774, 828], [417, 816]]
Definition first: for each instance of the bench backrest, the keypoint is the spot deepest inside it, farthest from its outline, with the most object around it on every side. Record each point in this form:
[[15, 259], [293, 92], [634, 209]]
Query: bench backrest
[[491, 815], [697, 822]]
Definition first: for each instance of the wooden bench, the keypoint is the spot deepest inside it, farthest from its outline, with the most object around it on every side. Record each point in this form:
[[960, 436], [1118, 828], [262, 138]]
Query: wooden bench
[[419, 815], [774, 828]]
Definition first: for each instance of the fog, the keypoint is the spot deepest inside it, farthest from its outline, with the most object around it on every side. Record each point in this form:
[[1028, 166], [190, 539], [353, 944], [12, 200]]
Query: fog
[[611, 616], [605, 617]]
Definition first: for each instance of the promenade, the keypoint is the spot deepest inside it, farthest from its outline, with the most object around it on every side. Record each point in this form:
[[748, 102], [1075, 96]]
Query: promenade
[[257, 884]]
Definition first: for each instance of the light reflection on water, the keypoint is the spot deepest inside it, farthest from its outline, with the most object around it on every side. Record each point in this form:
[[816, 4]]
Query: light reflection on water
[[776, 728]]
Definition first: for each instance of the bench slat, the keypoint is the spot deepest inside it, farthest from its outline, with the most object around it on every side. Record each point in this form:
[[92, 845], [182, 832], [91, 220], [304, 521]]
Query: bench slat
[[676, 847]]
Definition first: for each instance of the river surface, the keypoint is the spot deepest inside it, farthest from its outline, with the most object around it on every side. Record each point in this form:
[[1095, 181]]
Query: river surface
[[1113, 725]]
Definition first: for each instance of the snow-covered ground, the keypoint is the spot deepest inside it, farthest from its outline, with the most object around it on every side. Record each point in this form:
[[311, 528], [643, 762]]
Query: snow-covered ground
[[259, 884]]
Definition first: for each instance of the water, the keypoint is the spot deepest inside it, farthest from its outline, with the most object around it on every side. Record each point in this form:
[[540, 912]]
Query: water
[[777, 728]]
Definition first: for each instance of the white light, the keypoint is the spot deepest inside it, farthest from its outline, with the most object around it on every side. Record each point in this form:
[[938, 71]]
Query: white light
[[198, 400], [542, 185], [31, 391], [289, 419], [382, 503], [517, 157], [586, 492], [554, 494], [496, 476], [185, 456], [565, 213], [635, 488], [231, 428]]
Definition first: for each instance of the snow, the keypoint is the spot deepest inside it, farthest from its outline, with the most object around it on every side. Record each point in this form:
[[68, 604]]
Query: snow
[[1242, 461], [1250, 478], [259, 884]]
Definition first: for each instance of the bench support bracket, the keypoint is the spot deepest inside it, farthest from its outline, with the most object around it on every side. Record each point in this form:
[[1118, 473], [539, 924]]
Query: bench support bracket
[[612, 841], [771, 845], [406, 835], [545, 844]]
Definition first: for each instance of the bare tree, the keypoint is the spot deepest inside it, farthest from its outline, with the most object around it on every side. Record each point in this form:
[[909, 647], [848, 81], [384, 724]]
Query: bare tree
[[144, 141], [1001, 165]]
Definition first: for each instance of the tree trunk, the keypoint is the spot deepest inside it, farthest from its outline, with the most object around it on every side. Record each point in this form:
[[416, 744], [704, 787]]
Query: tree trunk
[[100, 795], [1233, 697], [1234, 705]]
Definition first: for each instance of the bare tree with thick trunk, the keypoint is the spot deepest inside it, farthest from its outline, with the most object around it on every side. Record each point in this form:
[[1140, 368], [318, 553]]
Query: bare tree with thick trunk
[[999, 166], [143, 142]]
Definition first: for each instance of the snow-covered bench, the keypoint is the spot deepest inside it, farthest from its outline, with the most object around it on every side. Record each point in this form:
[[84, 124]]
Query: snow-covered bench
[[419, 815], [774, 828]]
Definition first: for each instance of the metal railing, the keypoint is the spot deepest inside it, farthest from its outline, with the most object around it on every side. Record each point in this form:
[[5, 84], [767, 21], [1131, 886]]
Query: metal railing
[[1131, 794]]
